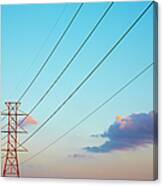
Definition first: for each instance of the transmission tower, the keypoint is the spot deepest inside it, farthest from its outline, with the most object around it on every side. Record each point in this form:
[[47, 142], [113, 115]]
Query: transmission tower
[[12, 147]]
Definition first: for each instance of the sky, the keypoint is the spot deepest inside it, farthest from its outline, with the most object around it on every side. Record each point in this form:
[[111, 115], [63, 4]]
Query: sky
[[28, 35]]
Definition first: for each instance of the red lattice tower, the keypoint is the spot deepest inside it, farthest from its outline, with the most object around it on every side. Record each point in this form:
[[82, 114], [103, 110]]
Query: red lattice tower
[[12, 147]]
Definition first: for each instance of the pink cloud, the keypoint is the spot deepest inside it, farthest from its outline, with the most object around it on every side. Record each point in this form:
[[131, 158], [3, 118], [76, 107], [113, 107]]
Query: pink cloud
[[28, 121]]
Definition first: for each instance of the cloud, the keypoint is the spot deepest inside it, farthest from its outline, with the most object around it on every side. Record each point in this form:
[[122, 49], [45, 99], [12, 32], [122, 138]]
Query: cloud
[[28, 121], [136, 130], [76, 155], [96, 135]]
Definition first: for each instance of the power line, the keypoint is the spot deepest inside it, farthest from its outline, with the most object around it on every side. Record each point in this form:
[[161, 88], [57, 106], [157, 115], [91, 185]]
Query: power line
[[4, 138], [42, 45], [52, 52], [91, 113], [89, 75], [4, 126], [70, 61], [3, 118]]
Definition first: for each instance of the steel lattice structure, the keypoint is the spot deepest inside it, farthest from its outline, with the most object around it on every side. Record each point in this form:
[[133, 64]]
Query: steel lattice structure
[[12, 147]]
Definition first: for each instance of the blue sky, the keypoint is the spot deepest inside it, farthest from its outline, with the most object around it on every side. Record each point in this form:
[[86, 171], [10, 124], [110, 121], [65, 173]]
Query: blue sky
[[24, 29]]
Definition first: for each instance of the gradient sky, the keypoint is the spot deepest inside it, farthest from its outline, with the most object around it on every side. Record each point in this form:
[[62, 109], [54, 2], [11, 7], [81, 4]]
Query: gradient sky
[[24, 30]]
